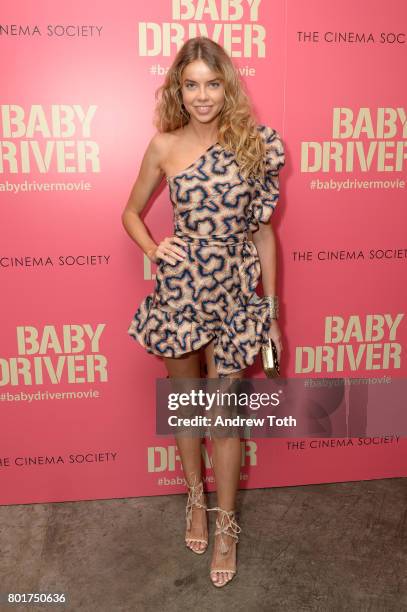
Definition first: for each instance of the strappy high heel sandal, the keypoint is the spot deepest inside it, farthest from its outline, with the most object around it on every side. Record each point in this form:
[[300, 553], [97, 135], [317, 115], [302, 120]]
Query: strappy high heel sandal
[[195, 495], [227, 525]]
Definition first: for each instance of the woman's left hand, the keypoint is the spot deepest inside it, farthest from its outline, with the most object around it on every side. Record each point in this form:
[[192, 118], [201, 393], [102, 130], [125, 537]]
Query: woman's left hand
[[275, 335]]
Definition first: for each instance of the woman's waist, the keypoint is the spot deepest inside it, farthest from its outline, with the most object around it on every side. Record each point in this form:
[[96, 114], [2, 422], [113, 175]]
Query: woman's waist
[[212, 239]]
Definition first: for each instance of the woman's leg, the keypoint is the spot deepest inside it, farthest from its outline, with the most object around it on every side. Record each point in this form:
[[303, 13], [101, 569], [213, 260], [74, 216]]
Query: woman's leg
[[226, 457], [189, 447]]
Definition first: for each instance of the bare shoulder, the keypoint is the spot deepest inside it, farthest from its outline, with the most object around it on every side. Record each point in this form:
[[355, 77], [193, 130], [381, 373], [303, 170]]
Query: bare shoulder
[[150, 173], [171, 143], [155, 155], [156, 147], [161, 146]]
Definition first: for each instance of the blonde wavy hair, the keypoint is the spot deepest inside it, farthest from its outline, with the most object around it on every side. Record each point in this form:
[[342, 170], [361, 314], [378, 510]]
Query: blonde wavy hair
[[238, 131]]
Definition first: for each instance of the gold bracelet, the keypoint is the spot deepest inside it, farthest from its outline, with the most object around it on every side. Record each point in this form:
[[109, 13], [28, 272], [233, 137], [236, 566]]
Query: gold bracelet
[[273, 303]]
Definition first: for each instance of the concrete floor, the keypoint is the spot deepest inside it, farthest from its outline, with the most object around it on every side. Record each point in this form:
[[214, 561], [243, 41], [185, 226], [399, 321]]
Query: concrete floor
[[328, 547]]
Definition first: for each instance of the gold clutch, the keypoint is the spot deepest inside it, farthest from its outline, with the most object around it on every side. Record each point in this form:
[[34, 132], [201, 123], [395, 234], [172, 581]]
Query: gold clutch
[[269, 356]]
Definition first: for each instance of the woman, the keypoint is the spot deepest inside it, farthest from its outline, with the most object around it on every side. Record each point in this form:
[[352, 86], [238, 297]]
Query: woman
[[222, 172]]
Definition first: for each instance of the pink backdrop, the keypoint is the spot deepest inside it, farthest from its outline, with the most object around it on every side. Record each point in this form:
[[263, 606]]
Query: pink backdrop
[[76, 117]]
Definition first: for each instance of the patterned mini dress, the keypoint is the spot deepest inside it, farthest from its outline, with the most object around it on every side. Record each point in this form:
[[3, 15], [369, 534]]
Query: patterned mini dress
[[211, 294]]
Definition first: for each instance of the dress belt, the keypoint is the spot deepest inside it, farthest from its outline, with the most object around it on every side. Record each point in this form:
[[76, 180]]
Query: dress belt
[[217, 240]]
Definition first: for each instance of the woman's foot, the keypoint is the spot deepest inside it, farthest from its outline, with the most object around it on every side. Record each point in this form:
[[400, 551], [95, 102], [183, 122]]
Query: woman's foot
[[196, 535], [223, 565]]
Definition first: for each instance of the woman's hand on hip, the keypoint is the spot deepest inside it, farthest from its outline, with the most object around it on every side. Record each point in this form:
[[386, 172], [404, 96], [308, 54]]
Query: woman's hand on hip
[[168, 250]]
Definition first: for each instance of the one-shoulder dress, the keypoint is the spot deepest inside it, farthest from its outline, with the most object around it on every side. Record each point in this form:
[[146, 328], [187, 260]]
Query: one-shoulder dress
[[211, 293]]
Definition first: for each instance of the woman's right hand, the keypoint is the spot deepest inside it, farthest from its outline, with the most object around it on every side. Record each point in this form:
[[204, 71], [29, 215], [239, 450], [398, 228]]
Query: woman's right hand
[[168, 250]]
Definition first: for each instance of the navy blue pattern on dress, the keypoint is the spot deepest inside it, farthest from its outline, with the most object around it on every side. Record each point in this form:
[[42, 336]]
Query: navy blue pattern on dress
[[211, 294]]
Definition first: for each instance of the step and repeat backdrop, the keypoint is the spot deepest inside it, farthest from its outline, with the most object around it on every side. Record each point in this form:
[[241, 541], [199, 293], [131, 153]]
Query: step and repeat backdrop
[[77, 409]]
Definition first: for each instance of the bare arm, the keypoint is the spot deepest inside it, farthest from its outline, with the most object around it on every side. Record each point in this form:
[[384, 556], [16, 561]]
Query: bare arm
[[265, 243], [149, 177]]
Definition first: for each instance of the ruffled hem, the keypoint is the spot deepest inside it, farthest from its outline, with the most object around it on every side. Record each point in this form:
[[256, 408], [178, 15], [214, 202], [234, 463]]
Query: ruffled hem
[[167, 332], [171, 333]]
